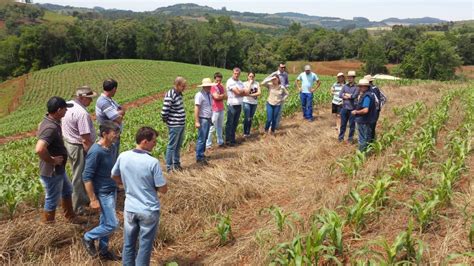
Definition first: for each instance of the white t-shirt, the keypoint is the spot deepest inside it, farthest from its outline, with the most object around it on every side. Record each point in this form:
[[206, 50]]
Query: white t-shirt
[[232, 99], [253, 89]]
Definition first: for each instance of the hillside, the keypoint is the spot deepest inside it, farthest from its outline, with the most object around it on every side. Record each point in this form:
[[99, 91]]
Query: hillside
[[249, 19]]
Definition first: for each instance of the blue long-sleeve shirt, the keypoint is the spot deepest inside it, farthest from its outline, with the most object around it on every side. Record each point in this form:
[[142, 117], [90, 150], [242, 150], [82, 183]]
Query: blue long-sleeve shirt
[[98, 167], [353, 91]]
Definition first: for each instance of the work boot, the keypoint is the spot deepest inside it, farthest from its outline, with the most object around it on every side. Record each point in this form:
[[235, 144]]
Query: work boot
[[69, 214], [47, 217]]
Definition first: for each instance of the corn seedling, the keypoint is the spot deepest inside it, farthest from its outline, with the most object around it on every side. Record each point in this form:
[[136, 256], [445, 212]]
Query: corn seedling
[[281, 218], [425, 210], [332, 224], [223, 228]]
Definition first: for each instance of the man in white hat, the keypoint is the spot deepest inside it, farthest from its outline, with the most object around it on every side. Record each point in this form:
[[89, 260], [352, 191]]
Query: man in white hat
[[336, 100], [79, 135], [202, 118], [365, 113], [305, 84], [380, 98], [348, 94]]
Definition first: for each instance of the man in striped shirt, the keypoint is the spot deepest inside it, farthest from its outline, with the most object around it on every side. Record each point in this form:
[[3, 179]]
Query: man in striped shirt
[[174, 116], [79, 135], [106, 109]]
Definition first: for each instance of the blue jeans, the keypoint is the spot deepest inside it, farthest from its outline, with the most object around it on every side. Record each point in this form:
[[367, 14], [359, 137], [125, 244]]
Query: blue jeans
[[373, 127], [279, 116], [217, 126], [365, 133], [307, 104], [54, 187], [108, 221], [176, 137], [233, 115], [249, 112], [346, 116], [203, 133], [272, 116], [141, 226]]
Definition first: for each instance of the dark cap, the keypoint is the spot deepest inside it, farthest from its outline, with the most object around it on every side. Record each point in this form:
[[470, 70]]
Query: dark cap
[[55, 102]]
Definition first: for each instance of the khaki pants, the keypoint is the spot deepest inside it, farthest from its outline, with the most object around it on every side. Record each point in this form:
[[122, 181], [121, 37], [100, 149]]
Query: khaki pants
[[77, 157]]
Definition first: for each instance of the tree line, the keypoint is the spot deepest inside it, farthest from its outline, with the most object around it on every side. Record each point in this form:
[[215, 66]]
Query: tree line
[[28, 44]]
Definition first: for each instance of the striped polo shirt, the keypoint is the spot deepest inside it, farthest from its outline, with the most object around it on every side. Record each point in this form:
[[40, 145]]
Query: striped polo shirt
[[173, 113]]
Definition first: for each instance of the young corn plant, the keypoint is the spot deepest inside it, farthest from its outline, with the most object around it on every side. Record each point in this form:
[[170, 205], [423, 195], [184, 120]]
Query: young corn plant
[[332, 224], [357, 212], [425, 210], [224, 228], [405, 167], [281, 218]]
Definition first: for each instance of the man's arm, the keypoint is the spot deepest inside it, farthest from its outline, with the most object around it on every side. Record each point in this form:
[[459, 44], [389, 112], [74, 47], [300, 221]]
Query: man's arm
[[94, 202], [117, 179], [162, 189], [167, 102], [42, 150], [86, 142], [298, 85], [196, 116]]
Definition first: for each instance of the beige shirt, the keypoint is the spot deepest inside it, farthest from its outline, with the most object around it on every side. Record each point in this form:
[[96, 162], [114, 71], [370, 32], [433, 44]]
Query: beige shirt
[[277, 94]]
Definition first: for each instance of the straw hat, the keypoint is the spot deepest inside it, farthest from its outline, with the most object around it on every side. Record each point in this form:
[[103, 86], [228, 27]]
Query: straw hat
[[85, 91], [369, 78], [351, 73], [340, 74], [207, 82], [363, 82]]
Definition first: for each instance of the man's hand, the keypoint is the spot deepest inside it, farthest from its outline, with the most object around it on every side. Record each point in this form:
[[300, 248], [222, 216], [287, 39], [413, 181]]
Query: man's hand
[[354, 112], [312, 90], [197, 124], [58, 160], [95, 205]]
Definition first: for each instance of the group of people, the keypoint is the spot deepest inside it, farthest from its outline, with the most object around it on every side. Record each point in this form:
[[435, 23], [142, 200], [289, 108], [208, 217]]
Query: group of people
[[209, 109], [67, 132], [359, 104]]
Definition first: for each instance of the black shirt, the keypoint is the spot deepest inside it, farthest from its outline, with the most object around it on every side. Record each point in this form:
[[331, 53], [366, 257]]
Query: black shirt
[[50, 132]]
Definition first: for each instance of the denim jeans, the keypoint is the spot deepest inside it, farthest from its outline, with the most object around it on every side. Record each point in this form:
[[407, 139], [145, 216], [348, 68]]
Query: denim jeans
[[346, 116], [373, 127], [55, 187], [249, 112], [280, 112], [272, 116], [307, 104], [233, 115], [365, 133], [175, 140], [108, 221], [141, 226], [203, 133], [217, 126]]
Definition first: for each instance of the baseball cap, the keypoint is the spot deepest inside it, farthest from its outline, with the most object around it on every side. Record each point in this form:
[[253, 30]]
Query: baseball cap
[[55, 102], [351, 73], [340, 74], [369, 77], [307, 67]]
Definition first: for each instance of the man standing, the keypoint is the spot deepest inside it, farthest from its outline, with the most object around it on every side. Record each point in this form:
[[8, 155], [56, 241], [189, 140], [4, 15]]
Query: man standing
[[348, 94], [365, 114], [235, 93], [79, 135], [305, 83], [106, 109], [53, 155], [219, 94], [174, 116], [102, 190], [202, 118], [380, 98], [142, 177], [281, 72]]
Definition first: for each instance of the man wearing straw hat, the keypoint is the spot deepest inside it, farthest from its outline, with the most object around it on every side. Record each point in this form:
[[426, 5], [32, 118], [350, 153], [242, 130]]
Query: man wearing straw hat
[[365, 113], [348, 94], [202, 118], [79, 135], [381, 99]]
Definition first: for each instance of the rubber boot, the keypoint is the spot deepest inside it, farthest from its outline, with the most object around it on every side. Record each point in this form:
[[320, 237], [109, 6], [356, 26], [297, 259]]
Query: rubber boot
[[69, 214], [47, 217]]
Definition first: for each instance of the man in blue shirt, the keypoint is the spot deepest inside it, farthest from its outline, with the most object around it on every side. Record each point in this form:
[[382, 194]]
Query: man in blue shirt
[[305, 84], [365, 113], [141, 175], [348, 94], [102, 190]]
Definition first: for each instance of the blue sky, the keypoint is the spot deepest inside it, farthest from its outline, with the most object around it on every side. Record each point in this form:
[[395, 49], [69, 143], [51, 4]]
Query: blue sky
[[372, 9]]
